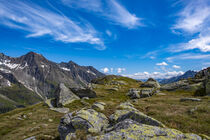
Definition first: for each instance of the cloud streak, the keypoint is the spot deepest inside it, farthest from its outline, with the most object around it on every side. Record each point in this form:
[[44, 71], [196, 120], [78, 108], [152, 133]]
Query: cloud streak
[[188, 56], [162, 64], [109, 9], [156, 75], [38, 21], [194, 19]]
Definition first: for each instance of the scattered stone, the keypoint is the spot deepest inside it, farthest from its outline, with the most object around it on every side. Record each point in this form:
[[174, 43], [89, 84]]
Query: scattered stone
[[60, 110], [133, 93], [113, 89], [85, 98], [161, 94], [31, 138], [191, 111], [99, 105], [127, 123], [50, 120], [190, 99]]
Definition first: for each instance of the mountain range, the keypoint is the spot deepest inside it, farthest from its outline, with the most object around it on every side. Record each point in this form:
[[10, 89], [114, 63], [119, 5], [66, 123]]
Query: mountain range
[[36, 77], [187, 74]]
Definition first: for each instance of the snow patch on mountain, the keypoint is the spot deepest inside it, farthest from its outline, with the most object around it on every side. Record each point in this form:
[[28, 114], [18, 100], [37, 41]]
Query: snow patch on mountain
[[91, 72]]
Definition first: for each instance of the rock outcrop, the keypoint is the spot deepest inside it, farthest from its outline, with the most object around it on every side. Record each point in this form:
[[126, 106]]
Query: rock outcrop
[[85, 119], [199, 85], [64, 96], [127, 111], [84, 92], [132, 130], [126, 123], [151, 83], [135, 93]]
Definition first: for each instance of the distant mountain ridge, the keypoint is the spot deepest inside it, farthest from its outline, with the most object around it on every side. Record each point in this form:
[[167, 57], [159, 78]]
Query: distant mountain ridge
[[188, 74], [35, 73]]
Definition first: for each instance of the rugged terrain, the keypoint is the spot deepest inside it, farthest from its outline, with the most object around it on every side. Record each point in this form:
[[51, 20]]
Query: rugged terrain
[[166, 108], [33, 77], [186, 75]]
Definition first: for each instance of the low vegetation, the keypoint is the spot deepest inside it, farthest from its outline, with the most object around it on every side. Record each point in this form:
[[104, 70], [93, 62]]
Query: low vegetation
[[38, 120]]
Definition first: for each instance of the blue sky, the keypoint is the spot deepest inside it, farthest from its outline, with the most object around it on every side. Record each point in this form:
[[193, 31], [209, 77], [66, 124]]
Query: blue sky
[[138, 38]]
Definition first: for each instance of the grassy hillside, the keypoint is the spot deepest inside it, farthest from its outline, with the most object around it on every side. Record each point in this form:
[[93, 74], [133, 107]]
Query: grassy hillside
[[41, 122], [16, 96]]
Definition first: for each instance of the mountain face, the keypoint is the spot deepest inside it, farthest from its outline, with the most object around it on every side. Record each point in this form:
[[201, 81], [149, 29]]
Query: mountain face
[[13, 94], [37, 74], [188, 74]]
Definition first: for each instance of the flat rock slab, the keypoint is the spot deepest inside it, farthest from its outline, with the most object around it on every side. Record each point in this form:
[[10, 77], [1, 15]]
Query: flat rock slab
[[60, 110], [190, 99]]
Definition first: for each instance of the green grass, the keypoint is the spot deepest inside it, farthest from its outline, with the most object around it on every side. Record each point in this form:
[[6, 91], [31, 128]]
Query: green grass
[[19, 95], [168, 109]]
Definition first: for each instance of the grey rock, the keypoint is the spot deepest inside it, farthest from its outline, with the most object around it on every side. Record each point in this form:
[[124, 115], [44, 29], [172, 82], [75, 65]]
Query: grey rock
[[31, 138], [64, 96], [61, 110], [99, 105], [85, 119], [132, 130], [151, 83], [190, 99], [127, 111], [84, 92]]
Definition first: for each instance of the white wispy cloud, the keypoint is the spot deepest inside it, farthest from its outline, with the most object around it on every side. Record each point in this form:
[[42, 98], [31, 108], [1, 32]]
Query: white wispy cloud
[[155, 75], [109, 9], [162, 64], [202, 43], [188, 56], [176, 67], [109, 33], [194, 19], [38, 21]]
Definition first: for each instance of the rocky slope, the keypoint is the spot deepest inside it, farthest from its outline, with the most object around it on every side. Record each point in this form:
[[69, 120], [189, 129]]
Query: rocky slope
[[186, 75], [13, 94], [199, 84], [125, 123], [170, 115], [41, 76]]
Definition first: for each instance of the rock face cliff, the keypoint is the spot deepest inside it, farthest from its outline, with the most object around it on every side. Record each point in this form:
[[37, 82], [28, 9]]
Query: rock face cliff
[[41, 76]]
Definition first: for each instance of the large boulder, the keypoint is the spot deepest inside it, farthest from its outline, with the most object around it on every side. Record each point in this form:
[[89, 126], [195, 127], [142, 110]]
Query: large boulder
[[88, 120], [127, 111], [64, 95], [135, 93], [84, 92], [151, 83], [129, 129]]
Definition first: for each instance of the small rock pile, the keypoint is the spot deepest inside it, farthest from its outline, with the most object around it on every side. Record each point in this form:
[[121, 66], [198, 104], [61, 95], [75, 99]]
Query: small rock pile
[[147, 89], [125, 123]]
